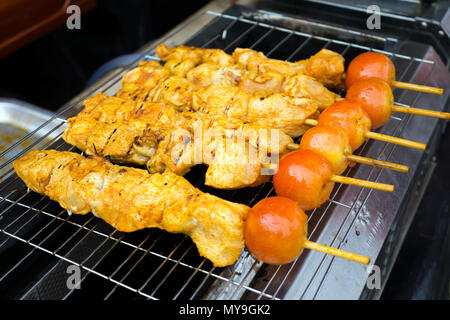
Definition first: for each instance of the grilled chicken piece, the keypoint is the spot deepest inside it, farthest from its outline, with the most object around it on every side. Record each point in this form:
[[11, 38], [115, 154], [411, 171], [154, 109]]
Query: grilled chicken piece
[[258, 63], [180, 60], [308, 87], [161, 138], [231, 163], [212, 74], [235, 163], [326, 66], [115, 141], [278, 110], [147, 74], [148, 82], [159, 115], [176, 90], [131, 199], [264, 84], [128, 143]]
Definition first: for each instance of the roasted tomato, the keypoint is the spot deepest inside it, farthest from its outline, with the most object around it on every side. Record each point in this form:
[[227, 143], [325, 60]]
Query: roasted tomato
[[275, 230], [370, 65], [304, 176], [375, 97], [349, 116], [331, 142]]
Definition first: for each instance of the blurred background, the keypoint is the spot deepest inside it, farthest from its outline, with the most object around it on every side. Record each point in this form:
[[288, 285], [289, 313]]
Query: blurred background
[[53, 64]]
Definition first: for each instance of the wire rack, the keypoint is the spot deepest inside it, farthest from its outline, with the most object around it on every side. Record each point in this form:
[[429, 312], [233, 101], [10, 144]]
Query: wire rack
[[42, 240]]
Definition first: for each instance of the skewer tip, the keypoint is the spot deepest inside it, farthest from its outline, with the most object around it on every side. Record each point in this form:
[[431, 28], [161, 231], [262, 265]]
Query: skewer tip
[[417, 87], [337, 252]]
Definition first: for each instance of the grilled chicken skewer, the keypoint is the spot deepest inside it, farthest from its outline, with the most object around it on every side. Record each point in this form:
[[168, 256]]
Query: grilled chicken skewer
[[146, 134], [296, 86], [149, 83], [326, 66], [231, 163], [131, 199], [258, 82], [159, 115], [157, 136], [181, 59], [257, 74], [263, 84], [84, 135]]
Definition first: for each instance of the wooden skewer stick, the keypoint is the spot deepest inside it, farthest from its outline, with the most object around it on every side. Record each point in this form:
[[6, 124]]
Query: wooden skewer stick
[[383, 137], [395, 140], [378, 163], [347, 180], [336, 252], [416, 87], [311, 122], [364, 160], [422, 112], [362, 183]]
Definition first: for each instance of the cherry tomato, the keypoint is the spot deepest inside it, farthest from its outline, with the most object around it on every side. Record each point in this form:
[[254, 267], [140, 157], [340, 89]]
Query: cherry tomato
[[275, 230], [304, 176], [331, 142], [370, 65], [375, 97], [349, 116]]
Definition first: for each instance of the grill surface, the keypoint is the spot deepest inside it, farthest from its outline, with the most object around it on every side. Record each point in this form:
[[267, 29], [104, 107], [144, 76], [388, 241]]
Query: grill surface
[[39, 240]]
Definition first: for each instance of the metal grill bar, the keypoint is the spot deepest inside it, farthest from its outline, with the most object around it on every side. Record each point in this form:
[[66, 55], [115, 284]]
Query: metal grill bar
[[55, 266], [188, 281], [134, 266], [307, 35]]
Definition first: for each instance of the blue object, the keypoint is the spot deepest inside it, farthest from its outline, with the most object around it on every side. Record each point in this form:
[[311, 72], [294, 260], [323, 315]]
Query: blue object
[[118, 62]]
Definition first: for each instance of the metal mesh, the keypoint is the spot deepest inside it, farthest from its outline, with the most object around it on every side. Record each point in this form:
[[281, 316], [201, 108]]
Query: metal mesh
[[153, 264]]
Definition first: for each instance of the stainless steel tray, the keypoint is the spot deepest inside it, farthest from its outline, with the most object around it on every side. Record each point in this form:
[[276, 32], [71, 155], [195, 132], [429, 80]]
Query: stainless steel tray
[[22, 126]]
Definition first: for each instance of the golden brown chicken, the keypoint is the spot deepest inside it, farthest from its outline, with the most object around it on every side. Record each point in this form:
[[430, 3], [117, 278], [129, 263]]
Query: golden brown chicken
[[161, 138], [207, 74], [231, 163], [159, 115], [278, 110], [145, 83], [116, 141], [264, 84], [181, 59], [258, 75], [148, 74], [131, 199], [326, 66], [308, 87]]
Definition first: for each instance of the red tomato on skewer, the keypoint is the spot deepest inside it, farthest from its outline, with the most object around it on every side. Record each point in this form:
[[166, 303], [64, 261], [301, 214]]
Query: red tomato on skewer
[[370, 65], [275, 230], [304, 176]]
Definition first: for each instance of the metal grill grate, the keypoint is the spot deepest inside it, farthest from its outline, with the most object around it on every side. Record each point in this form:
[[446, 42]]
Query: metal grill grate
[[153, 264]]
